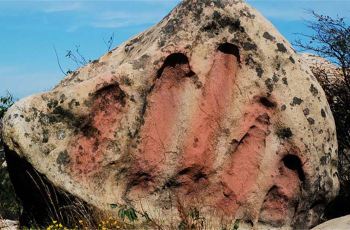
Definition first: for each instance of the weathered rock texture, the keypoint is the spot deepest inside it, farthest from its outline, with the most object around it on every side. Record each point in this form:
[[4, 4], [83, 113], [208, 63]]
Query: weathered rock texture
[[342, 223], [331, 78], [209, 110]]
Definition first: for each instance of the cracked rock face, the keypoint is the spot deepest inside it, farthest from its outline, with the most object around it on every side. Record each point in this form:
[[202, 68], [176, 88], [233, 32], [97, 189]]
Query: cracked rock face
[[210, 109]]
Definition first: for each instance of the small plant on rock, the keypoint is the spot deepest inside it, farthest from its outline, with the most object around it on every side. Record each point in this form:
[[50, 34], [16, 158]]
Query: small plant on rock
[[127, 212]]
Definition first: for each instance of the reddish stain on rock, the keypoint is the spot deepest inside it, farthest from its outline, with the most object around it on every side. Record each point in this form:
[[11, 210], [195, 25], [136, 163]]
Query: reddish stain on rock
[[219, 140], [241, 172], [164, 106], [227, 188], [217, 96], [87, 150], [282, 198]]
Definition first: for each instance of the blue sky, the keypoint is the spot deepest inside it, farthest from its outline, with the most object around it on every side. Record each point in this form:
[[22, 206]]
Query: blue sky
[[30, 29]]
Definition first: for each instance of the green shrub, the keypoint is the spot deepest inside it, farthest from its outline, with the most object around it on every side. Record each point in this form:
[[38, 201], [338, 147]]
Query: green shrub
[[5, 103]]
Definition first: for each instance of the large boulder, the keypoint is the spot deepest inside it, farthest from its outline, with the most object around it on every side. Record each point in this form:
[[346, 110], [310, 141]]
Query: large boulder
[[341, 223], [209, 112]]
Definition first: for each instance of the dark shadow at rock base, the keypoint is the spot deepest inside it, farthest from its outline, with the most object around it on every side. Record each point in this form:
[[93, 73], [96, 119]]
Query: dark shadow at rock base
[[340, 206], [10, 207], [42, 201]]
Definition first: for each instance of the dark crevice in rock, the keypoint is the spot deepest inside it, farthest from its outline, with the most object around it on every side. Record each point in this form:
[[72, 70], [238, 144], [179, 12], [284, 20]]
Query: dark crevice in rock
[[228, 48], [293, 162], [236, 143], [262, 119], [171, 183], [139, 179], [195, 174], [172, 61]]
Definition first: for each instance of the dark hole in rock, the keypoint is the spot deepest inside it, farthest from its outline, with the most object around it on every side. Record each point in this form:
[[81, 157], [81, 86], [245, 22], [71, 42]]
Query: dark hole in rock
[[185, 171], [249, 223], [228, 48], [195, 172], [172, 183], [293, 162], [173, 60]]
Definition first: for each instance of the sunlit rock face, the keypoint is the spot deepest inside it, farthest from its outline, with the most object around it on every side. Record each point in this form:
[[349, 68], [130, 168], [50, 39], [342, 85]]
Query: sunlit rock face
[[337, 223], [209, 110]]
